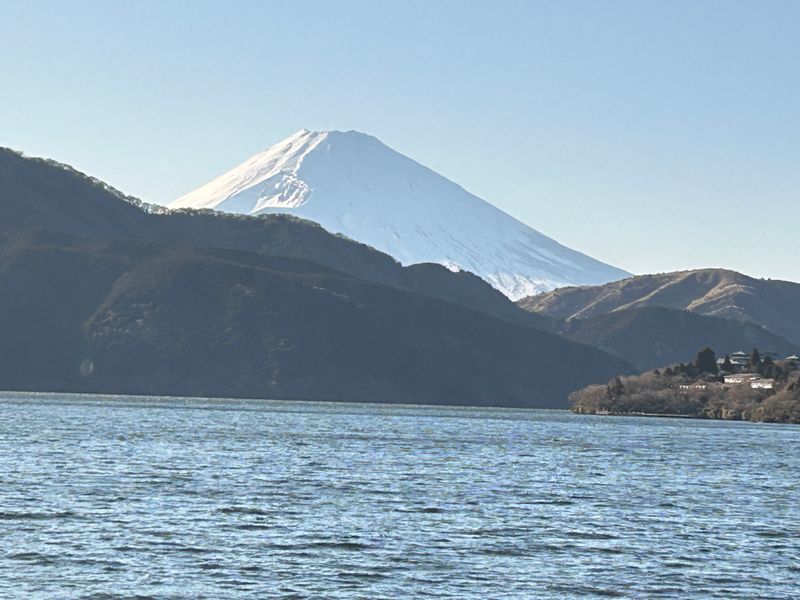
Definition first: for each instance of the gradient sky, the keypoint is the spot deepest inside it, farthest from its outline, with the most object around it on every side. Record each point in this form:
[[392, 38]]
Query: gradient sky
[[656, 136]]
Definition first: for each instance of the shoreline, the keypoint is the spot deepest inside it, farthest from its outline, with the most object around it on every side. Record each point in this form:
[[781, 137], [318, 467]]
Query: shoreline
[[679, 416]]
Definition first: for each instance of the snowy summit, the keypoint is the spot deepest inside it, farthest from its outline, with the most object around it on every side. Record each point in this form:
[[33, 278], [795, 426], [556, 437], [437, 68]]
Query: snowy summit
[[352, 183]]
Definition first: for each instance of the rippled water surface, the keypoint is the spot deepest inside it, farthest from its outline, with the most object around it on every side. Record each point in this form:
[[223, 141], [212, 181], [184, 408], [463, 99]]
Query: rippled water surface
[[172, 498]]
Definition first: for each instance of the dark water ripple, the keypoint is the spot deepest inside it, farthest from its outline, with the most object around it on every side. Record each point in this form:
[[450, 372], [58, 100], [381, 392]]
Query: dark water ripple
[[123, 497]]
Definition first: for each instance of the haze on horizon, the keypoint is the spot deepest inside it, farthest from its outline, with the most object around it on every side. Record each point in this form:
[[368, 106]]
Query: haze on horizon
[[654, 137]]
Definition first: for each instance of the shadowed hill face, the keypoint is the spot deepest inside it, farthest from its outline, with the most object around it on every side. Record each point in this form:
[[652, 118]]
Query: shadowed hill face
[[774, 305], [652, 337], [41, 194], [116, 317], [281, 235], [95, 301]]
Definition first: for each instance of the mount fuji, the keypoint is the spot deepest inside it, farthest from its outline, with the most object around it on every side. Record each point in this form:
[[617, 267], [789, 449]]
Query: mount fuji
[[353, 184]]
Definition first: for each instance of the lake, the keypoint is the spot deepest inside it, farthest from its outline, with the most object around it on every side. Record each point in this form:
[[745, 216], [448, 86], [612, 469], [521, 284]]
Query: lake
[[107, 497]]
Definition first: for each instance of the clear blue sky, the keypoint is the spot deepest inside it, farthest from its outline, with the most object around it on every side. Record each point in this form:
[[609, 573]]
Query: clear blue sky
[[653, 135]]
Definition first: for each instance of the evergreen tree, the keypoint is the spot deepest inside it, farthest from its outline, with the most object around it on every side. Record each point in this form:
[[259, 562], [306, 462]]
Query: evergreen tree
[[755, 358], [615, 389], [727, 366], [767, 368], [706, 361]]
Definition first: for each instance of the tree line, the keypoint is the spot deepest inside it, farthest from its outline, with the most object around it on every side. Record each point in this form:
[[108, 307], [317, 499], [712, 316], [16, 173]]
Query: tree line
[[697, 389]]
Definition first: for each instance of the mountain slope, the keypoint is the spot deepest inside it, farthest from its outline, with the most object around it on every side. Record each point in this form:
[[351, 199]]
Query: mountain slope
[[651, 336], [716, 292], [353, 184], [110, 307]]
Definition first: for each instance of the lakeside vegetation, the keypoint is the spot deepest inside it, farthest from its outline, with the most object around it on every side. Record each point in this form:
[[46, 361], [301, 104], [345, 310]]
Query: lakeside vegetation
[[763, 390]]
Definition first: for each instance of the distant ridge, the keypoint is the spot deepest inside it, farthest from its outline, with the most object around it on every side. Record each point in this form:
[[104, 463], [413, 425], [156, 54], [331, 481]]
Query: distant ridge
[[771, 304], [351, 183]]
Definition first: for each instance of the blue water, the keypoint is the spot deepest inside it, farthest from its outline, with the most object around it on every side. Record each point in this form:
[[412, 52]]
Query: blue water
[[108, 497]]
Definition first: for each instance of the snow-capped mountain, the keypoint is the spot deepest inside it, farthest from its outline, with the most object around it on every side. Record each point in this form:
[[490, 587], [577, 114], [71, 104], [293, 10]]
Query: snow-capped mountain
[[351, 183]]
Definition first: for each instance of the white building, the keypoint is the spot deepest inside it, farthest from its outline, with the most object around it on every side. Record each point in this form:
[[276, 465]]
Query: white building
[[742, 378], [693, 386], [762, 384]]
